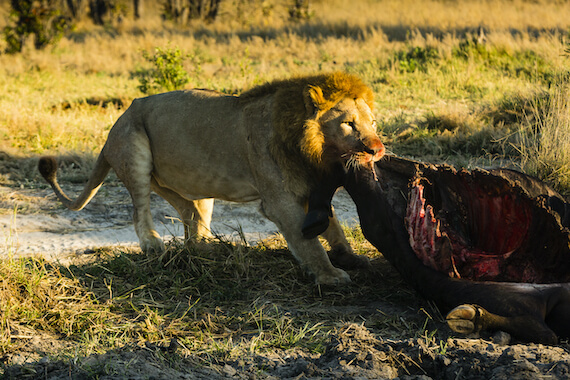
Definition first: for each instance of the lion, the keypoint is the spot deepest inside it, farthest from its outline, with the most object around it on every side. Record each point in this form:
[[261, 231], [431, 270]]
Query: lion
[[272, 142]]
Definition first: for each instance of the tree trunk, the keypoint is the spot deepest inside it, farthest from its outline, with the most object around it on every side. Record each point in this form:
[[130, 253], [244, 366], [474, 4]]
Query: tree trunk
[[98, 9], [138, 8], [213, 11]]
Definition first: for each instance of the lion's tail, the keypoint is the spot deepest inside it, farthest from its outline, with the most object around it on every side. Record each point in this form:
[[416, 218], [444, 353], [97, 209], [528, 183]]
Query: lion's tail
[[48, 169]]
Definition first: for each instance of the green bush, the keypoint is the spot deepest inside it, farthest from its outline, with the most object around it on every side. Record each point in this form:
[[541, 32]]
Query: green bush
[[415, 58], [167, 72], [40, 19]]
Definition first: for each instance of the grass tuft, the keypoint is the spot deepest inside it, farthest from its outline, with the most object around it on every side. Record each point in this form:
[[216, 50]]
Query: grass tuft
[[545, 137]]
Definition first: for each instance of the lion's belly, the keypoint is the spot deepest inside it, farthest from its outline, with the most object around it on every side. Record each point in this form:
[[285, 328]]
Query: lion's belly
[[211, 185]]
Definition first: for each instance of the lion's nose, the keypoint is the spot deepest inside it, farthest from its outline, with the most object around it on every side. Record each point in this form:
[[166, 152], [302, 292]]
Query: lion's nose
[[378, 149]]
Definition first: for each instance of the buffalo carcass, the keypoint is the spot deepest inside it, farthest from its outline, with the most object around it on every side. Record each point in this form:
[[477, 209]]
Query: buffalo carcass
[[490, 248]]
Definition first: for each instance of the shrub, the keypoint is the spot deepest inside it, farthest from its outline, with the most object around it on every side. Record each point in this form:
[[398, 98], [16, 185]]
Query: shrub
[[167, 72], [415, 58], [40, 19]]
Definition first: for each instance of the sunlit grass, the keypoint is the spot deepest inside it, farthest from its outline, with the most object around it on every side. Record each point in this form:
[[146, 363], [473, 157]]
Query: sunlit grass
[[545, 137]]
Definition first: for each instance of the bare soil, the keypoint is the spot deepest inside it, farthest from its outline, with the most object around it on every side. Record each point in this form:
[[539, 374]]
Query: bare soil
[[354, 352], [32, 222]]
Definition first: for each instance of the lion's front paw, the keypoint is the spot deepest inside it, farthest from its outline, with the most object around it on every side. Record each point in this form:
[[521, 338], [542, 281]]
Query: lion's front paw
[[465, 319], [334, 277], [152, 245]]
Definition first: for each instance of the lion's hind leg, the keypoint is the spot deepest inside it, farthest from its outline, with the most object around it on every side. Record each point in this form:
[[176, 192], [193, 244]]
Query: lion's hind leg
[[133, 165], [202, 218], [196, 215]]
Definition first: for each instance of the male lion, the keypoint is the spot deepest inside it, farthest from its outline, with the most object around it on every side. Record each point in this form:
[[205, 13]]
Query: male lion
[[272, 143]]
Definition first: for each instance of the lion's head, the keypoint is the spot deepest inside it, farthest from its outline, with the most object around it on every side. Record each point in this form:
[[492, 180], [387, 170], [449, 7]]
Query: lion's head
[[319, 121]]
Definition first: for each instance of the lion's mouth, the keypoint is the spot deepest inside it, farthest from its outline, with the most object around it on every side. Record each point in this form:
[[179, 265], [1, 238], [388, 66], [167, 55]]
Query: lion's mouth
[[472, 226], [371, 156], [375, 152], [366, 156], [364, 160]]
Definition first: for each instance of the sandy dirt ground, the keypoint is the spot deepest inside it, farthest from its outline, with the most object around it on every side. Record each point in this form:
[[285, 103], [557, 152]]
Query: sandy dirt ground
[[40, 225]]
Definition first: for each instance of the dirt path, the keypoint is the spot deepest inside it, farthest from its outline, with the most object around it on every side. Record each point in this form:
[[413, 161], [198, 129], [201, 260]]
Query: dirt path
[[41, 225]]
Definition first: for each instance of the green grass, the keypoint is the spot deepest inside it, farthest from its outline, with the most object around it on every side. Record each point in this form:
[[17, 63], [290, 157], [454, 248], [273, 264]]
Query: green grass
[[438, 102]]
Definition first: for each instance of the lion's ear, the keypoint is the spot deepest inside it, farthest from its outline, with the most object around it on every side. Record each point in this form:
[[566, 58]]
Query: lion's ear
[[314, 99]]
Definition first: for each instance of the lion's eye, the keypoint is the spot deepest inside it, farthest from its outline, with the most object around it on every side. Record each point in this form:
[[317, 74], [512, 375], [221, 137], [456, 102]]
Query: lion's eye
[[350, 124]]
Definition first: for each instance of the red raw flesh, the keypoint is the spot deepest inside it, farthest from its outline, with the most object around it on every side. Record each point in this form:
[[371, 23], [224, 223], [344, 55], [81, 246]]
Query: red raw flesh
[[424, 231], [496, 225]]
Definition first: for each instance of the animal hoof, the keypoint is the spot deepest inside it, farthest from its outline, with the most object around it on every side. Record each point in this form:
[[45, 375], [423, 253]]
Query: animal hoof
[[316, 222], [337, 277], [464, 319]]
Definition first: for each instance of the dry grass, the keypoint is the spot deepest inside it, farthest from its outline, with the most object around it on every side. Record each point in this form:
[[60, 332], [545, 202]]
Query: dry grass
[[544, 143], [219, 301]]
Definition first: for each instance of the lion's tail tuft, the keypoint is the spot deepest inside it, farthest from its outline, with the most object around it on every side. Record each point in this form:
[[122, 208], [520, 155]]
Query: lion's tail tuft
[[48, 169]]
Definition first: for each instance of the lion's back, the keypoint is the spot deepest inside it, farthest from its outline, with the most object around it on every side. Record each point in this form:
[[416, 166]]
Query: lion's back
[[184, 103], [202, 143]]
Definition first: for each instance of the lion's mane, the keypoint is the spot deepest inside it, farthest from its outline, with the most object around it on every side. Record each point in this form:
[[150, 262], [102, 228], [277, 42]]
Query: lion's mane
[[298, 143]]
